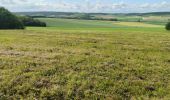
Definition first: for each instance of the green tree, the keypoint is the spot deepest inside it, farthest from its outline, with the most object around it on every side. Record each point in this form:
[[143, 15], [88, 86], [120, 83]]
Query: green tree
[[28, 21], [9, 21], [168, 26]]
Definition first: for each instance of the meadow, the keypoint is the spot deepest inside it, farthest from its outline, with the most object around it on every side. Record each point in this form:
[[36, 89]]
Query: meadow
[[90, 60]]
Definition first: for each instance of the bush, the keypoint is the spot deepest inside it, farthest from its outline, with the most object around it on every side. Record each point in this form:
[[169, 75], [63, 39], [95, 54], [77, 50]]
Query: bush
[[9, 21], [168, 26], [113, 19], [28, 21]]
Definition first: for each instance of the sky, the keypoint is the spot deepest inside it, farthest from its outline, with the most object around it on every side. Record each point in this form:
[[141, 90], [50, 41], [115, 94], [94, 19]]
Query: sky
[[102, 6]]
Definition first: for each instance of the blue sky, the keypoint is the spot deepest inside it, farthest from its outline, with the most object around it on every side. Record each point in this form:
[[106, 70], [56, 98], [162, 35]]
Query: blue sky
[[105, 6]]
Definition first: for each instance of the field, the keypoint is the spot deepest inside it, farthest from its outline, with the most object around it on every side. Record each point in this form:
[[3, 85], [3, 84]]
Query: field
[[93, 24], [78, 59], [157, 18]]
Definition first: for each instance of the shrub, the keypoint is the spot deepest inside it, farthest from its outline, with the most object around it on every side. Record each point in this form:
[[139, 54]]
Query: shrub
[[9, 21], [28, 21], [168, 26]]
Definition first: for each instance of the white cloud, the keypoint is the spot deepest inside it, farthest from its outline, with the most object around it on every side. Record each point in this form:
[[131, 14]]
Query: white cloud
[[119, 5], [163, 4], [84, 6]]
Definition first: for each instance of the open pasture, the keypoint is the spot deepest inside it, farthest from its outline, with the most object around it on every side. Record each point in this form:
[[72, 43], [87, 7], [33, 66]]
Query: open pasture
[[97, 60]]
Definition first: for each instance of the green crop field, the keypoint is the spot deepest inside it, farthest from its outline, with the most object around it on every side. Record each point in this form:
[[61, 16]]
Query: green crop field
[[74, 23], [90, 60]]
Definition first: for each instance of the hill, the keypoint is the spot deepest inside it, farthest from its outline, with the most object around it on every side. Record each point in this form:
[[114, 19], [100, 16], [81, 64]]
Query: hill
[[63, 14]]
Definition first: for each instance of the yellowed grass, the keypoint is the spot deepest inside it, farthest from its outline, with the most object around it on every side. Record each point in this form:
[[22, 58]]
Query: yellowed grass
[[156, 18], [137, 24]]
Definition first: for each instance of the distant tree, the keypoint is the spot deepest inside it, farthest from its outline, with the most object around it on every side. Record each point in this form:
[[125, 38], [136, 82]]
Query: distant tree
[[9, 21], [168, 26], [113, 19], [85, 16], [82, 16], [139, 20], [28, 21]]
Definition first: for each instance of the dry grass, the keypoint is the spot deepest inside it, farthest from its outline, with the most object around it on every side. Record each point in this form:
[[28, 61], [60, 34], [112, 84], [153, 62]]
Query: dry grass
[[136, 24], [59, 64]]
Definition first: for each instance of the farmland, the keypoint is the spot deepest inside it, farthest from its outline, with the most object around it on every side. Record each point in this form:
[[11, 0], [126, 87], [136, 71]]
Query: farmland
[[81, 59]]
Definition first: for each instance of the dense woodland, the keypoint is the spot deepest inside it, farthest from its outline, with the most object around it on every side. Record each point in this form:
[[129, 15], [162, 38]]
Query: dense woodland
[[11, 21], [28, 21]]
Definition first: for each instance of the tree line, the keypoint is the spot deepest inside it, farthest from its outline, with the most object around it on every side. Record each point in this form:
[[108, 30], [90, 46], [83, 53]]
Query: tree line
[[29, 21], [11, 21]]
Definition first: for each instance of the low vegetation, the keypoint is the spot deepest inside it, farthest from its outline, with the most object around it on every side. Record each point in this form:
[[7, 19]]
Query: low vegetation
[[111, 63], [168, 26], [9, 21], [73, 23], [136, 24], [28, 21]]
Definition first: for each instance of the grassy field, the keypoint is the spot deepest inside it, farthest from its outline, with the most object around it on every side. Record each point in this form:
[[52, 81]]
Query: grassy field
[[136, 24], [151, 19], [74, 23], [81, 62]]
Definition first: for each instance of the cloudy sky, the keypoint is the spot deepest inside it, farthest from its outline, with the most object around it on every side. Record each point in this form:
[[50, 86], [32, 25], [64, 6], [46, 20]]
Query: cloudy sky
[[111, 6]]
